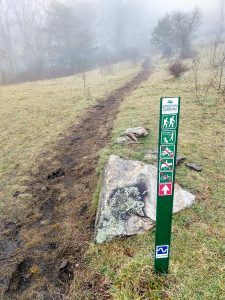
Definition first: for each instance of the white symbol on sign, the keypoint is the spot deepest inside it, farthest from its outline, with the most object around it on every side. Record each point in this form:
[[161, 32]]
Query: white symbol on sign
[[166, 177], [165, 140], [166, 165], [172, 122], [170, 106], [166, 152], [165, 123], [172, 136], [165, 189], [162, 251]]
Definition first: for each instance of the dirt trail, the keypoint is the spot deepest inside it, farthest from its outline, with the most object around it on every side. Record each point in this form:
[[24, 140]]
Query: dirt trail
[[46, 253]]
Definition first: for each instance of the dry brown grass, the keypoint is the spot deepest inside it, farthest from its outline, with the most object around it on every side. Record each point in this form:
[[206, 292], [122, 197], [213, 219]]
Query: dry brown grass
[[197, 269], [34, 115]]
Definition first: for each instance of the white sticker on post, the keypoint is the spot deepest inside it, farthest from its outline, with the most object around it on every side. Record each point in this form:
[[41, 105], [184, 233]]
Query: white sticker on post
[[170, 106]]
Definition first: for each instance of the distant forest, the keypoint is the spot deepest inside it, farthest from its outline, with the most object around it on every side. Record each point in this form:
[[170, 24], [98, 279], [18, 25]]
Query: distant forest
[[45, 39]]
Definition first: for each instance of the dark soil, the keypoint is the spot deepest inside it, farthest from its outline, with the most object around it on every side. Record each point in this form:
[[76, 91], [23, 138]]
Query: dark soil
[[44, 255]]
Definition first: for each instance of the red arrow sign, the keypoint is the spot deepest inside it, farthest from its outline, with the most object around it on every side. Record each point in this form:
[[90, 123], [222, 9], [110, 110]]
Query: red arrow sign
[[165, 189]]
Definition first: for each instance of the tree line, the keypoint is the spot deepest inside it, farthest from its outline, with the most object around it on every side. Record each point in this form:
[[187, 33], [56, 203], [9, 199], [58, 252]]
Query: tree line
[[47, 39], [175, 32], [44, 39]]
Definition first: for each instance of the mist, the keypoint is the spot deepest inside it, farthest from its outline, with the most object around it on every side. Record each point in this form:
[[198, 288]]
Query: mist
[[46, 39]]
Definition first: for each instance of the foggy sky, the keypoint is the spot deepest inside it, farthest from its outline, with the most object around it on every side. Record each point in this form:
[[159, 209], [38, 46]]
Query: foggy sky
[[157, 8], [97, 32]]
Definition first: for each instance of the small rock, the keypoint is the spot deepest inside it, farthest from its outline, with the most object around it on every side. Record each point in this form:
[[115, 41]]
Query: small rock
[[121, 140], [63, 264], [125, 140], [44, 222], [83, 209], [180, 160], [152, 152], [151, 155], [16, 194], [138, 131], [194, 167], [132, 137], [55, 174], [52, 245]]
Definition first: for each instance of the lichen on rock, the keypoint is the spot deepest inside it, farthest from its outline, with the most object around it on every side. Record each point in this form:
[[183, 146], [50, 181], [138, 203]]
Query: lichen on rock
[[127, 203]]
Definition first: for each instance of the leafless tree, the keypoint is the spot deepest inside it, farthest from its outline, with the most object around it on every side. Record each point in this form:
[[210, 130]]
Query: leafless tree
[[6, 39], [221, 20], [201, 88], [184, 26], [175, 32]]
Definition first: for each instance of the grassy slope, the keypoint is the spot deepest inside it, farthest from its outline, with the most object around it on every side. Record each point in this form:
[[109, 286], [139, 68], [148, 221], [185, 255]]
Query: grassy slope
[[34, 114], [197, 269]]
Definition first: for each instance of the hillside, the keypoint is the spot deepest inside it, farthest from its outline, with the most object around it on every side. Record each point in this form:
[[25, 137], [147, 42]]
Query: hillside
[[34, 115], [55, 183], [61, 137], [198, 255]]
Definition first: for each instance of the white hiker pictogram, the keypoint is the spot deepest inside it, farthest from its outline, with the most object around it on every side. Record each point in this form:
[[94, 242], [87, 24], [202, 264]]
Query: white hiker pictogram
[[165, 123], [172, 137], [172, 122]]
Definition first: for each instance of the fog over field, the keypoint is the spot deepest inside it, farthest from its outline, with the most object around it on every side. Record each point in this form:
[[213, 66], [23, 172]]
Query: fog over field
[[48, 39], [90, 158]]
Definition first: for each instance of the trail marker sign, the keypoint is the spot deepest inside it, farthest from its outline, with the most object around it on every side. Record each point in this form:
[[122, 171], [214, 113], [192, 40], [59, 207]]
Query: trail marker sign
[[168, 134]]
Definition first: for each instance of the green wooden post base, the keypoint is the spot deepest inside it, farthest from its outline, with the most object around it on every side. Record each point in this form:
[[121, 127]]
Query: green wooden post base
[[167, 150]]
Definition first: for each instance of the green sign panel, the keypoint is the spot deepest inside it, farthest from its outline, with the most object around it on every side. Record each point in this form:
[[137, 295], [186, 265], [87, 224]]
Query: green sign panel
[[165, 176], [168, 137], [169, 122], [168, 133]]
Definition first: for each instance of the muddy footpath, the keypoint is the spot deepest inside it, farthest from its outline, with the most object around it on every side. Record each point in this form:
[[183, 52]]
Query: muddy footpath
[[43, 256]]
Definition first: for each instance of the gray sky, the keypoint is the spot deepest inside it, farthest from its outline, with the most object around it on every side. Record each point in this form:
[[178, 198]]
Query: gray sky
[[163, 5], [209, 8]]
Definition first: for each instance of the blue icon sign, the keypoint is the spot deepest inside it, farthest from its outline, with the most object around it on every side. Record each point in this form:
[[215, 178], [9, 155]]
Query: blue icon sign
[[162, 251]]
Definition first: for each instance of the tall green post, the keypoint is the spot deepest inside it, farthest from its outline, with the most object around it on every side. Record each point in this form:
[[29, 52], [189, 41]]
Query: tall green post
[[167, 151]]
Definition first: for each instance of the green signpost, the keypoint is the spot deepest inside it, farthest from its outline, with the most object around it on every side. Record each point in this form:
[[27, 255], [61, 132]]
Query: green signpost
[[168, 134]]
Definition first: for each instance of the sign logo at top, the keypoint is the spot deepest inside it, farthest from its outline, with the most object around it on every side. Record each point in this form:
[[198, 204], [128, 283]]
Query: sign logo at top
[[170, 106]]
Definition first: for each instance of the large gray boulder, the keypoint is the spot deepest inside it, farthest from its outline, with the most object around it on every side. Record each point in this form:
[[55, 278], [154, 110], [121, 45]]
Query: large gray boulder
[[127, 203]]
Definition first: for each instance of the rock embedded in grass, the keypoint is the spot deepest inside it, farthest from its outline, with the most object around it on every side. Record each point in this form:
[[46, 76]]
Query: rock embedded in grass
[[151, 155], [180, 160], [194, 167], [125, 140], [127, 203], [131, 135], [137, 131]]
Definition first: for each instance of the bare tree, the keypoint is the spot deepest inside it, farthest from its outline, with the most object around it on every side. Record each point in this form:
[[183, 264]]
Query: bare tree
[[221, 20], [184, 27], [162, 35], [176, 31], [215, 77], [7, 26], [201, 88]]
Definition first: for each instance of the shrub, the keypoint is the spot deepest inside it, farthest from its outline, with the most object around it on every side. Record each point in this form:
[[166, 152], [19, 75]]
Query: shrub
[[177, 69]]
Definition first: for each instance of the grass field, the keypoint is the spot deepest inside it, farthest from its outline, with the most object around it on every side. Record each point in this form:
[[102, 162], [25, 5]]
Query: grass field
[[33, 115], [197, 266]]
